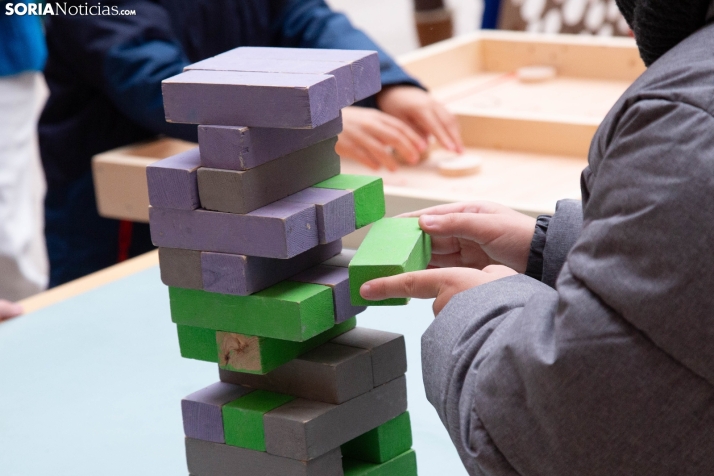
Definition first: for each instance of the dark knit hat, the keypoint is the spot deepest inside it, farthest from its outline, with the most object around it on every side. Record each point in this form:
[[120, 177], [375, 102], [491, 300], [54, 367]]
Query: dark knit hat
[[659, 25]]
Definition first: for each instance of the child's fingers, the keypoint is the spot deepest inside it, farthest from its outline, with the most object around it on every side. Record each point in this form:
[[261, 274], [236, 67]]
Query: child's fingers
[[418, 284]]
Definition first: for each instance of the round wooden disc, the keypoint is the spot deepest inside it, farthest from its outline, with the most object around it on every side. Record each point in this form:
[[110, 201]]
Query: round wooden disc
[[460, 166], [536, 74]]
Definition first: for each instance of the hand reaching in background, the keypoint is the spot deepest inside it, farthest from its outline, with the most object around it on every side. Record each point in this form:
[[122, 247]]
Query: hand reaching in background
[[9, 310], [424, 114], [399, 132]]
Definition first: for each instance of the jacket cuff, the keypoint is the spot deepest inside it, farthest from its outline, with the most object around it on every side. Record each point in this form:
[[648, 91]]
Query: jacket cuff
[[534, 269], [563, 231]]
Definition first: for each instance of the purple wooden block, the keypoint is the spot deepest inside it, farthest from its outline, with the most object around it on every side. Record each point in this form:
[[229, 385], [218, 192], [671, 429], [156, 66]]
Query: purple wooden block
[[202, 415], [335, 211], [233, 98], [338, 279], [366, 75], [172, 181], [243, 148], [340, 70], [279, 230], [244, 275]]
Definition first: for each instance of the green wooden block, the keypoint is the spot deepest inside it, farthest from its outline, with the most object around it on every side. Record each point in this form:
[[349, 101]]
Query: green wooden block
[[368, 192], [403, 465], [260, 355], [393, 246], [198, 343], [243, 418], [288, 310], [382, 444]]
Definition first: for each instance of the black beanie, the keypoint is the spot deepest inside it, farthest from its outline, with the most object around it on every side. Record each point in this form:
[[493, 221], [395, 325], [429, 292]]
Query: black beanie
[[659, 25]]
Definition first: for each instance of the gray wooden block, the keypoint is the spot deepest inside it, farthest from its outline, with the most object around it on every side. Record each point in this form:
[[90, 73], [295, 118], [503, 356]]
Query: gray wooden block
[[206, 458], [366, 75], [242, 148], [279, 230], [305, 429], [340, 70], [242, 191], [181, 268], [339, 280], [335, 211], [388, 350], [172, 181], [244, 275], [232, 98], [330, 373], [341, 260], [202, 415]]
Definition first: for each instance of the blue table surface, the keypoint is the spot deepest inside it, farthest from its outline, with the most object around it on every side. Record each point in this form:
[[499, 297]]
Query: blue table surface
[[92, 385]]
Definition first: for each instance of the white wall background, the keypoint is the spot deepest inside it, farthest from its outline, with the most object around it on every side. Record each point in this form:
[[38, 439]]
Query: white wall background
[[391, 22]]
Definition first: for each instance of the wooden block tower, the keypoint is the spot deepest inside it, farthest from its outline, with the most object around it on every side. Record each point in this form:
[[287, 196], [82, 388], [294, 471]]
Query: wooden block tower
[[249, 229]]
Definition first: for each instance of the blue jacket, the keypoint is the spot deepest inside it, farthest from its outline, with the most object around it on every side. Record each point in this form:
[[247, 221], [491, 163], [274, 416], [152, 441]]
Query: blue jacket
[[105, 72], [22, 46]]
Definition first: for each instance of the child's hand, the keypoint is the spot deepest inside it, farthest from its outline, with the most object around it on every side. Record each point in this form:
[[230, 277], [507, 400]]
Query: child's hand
[[9, 310], [423, 113], [371, 137], [441, 284], [477, 234]]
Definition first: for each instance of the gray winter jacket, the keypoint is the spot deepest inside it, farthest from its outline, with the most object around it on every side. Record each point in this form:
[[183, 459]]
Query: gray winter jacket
[[606, 365]]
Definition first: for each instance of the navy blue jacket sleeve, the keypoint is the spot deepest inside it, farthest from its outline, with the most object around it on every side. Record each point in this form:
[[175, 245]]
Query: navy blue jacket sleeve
[[313, 24], [127, 57]]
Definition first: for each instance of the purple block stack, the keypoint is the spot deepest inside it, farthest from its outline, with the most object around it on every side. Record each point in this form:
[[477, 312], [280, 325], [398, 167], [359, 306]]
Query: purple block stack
[[238, 216]]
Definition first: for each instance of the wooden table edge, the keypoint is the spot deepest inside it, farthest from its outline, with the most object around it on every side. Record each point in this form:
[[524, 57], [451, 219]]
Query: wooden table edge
[[90, 282]]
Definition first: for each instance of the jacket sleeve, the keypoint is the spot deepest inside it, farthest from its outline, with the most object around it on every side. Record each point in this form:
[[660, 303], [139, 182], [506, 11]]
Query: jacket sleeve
[[610, 372], [313, 24], [553, 238], [126, 57]]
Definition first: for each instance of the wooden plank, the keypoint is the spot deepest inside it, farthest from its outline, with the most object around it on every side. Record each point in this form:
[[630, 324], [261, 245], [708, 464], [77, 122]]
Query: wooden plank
[[235, 274], [338, 280], [202, 416], [260, 355], [181, 268], [120, 177], [244, 275], [172, 181], [382, 444], [403, 465], [242, 191], [87, 283], [304, 429], [287, 310], [206, 458], [279, 230], [388, 351], [368, 195], [392, 246], [242, 148], [231, 98], [243, 418], [341, 71], [335, 211], [364, 64], [330, 373]]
